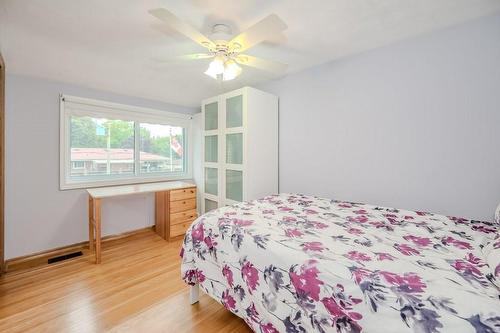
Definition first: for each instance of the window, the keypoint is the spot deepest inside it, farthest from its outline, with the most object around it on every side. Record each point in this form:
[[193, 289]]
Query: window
[[106, 143]]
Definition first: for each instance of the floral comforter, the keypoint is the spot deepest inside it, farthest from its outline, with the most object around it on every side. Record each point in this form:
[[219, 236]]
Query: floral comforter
[[295, 263]]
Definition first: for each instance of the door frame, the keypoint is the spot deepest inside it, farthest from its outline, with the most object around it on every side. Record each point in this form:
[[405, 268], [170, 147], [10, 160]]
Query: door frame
[[2, 162]]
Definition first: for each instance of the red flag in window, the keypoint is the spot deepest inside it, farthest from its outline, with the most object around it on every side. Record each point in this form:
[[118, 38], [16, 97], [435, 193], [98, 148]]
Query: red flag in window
[[176, 146]]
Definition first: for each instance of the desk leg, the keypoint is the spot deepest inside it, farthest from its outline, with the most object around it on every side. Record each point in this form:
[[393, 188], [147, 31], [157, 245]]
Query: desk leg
[[91, 224], [97, 204]]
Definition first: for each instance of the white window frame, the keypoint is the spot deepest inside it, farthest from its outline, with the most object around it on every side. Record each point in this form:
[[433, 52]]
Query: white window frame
[[79, 106]]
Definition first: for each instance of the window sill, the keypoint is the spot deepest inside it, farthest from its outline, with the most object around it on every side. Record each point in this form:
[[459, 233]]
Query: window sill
[[73, 185]]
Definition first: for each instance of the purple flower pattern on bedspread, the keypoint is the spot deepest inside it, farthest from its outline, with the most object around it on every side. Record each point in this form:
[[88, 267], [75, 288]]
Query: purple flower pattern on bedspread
[[294, 263]]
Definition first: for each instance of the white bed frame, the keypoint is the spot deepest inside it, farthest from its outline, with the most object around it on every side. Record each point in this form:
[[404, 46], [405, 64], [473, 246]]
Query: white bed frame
[[194, 294]]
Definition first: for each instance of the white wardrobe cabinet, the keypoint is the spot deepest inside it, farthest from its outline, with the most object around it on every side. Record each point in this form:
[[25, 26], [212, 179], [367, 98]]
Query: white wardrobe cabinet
[[240, 147]]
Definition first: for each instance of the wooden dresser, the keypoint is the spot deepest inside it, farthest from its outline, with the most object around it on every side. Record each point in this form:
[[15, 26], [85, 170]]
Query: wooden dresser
[[175, 211]]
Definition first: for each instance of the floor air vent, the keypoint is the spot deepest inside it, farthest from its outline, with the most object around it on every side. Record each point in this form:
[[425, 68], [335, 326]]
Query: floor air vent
[[64, 257]]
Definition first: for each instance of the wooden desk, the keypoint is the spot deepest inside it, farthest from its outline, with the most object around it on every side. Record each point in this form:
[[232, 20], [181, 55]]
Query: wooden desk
[[180, 195]]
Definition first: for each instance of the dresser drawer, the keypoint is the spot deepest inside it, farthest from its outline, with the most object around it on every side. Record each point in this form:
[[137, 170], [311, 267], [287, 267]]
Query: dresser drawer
[[179, 229], [182, 194], [177, 218], [182, 205]]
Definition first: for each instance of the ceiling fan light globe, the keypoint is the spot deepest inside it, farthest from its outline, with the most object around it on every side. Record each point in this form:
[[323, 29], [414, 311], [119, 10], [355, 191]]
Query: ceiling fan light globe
[[218, 64], [216, 67], [231, 70], [211, 74]]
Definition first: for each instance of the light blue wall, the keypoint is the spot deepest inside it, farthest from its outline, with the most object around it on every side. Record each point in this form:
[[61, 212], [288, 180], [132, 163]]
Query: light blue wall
[[38, 216], [412, 125]]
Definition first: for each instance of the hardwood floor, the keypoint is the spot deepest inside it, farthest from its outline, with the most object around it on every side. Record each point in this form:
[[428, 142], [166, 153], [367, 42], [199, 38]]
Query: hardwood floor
[[137, 288]]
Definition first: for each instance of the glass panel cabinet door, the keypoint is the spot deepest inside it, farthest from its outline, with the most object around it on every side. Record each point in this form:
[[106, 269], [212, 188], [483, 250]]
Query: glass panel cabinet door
[[211, 149], [211, 116], [210, 205], [211, 181], [234, 111], [234, 148], [234, 185]]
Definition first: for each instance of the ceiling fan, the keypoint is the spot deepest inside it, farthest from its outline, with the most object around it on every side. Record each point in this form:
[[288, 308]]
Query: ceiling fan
[[227, 54]]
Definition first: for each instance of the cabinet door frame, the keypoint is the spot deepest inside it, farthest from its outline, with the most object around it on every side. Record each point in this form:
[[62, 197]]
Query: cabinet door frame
[[233, 130], [215, 165]]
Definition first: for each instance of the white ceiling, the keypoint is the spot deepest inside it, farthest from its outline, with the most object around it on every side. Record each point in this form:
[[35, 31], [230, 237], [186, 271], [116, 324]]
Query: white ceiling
[[109, 44]]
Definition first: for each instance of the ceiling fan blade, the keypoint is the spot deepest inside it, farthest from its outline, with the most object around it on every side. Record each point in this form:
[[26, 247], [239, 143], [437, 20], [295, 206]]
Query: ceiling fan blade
[[175, 23], [267, 65], [260, 31], [194, 56]]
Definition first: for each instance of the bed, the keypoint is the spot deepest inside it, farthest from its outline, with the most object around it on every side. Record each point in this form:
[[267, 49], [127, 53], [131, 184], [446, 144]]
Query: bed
[[294, 263]]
